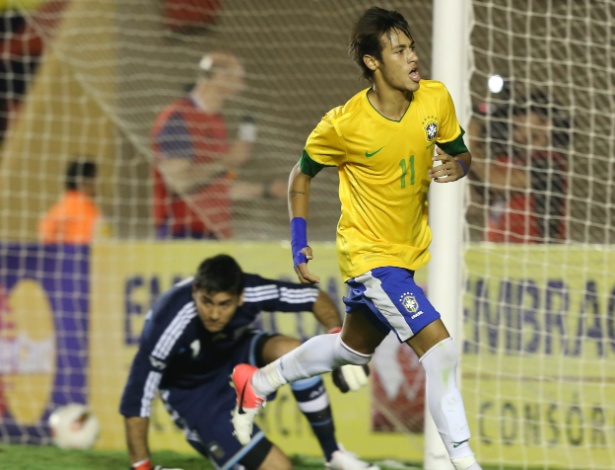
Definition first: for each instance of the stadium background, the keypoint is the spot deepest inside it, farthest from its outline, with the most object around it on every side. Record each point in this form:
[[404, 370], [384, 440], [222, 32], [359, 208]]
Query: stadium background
[[539, 329]]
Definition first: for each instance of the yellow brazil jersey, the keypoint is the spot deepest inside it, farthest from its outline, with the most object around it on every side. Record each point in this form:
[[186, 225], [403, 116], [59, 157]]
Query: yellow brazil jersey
[[383, 169]]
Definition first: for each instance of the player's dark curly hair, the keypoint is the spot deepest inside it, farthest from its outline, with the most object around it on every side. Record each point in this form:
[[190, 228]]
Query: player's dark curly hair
[[367, 32], [220, 273]]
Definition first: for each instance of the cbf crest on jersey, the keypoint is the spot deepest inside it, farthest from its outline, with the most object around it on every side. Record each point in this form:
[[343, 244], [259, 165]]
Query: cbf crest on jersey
[[409, 302], [430, 124]]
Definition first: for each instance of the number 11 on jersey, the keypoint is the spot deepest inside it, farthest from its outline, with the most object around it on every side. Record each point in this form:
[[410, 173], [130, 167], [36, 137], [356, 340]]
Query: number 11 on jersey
[[404, 170]]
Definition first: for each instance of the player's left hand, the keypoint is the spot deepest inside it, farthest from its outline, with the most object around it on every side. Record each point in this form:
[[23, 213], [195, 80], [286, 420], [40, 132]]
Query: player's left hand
[[303, 273], [448, 171], [350, 377]]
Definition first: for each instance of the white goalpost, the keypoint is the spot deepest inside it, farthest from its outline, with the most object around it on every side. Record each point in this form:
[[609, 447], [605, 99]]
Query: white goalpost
[[450, 65]]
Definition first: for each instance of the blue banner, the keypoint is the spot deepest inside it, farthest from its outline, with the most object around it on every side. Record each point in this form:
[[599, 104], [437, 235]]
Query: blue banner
[[44, 309]]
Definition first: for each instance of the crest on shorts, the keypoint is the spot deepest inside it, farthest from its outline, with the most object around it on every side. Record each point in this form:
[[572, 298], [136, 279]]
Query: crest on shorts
[[409, 302]]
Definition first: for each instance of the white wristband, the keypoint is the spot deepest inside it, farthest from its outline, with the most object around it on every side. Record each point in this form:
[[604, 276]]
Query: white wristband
[[247, 132]]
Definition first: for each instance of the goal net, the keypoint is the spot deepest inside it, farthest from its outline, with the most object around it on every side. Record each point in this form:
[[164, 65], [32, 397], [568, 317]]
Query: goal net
[[85, 80], [538, 310]]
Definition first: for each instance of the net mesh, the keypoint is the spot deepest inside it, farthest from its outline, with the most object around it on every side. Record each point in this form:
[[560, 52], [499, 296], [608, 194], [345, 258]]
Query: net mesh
[[538, 307]]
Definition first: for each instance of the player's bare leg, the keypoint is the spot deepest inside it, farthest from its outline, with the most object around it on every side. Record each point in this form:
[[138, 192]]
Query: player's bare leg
[[359, 333], [276, 460]]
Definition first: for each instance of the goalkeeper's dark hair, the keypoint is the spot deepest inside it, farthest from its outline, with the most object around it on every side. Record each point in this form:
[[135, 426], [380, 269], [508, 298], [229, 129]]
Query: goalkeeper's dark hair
[[77, 171], [220, 273], [367, 32]]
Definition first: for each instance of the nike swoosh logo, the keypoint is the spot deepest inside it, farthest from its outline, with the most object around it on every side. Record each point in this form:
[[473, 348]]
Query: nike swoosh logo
[[457, 444], [370, 155], [240, 408]]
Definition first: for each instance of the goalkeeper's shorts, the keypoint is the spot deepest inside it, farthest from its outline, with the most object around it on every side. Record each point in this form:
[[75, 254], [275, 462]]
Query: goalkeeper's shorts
[[203, 412], [392, 301]]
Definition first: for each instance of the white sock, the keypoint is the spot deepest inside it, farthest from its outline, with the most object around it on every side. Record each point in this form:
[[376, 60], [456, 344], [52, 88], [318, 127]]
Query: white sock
[[466, 463], [445, 402], [315, 356]]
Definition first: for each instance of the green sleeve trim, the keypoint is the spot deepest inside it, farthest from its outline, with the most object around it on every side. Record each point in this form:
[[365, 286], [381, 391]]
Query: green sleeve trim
[[455, 147], [309, 166]]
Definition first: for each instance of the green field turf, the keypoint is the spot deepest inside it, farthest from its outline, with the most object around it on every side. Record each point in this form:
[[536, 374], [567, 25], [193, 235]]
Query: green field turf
[[21, 457]]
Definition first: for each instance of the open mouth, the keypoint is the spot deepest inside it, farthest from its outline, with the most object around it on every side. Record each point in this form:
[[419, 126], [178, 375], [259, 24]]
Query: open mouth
[[414, 74]]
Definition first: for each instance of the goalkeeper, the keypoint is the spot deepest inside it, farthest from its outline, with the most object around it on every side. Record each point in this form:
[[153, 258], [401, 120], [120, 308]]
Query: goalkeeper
[[194, 335]]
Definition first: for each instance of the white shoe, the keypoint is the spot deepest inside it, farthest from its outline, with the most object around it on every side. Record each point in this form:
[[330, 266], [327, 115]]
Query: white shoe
[[243, 422], [344, 460], [248, 402]]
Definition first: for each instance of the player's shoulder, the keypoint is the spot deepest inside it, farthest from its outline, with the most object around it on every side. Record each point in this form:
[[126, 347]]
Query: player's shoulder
[[432, 92], [348, 110], [176, 108], [258, 289], [432, 86], [256, 281], [175, 301], [432, 89]]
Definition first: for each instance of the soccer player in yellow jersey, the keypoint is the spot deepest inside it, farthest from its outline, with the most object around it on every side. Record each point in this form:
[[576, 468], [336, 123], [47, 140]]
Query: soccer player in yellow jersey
[[382, 142]]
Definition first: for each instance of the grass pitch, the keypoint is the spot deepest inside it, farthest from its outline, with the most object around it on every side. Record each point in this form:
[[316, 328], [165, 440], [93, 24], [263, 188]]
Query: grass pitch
[[23, 457]]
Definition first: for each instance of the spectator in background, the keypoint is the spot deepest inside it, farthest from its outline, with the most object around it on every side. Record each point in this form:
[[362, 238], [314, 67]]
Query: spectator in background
[[75, 218], [524, 182], [195, 172], [25, 30], [20, 53]]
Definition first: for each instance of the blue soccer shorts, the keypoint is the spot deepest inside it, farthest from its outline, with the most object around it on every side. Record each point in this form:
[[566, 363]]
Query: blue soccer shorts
[[204, 412], [391, 300]]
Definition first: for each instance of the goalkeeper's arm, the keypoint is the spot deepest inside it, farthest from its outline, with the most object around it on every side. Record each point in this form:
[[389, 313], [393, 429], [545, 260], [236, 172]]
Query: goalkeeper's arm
[[136, 439]]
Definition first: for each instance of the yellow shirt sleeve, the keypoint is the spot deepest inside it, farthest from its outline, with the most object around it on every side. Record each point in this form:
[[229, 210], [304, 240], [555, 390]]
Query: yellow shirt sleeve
[[449, 128], [325, 145]]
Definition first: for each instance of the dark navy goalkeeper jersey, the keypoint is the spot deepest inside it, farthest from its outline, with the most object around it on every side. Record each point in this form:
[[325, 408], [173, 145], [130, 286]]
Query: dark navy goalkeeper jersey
[[177, 352]]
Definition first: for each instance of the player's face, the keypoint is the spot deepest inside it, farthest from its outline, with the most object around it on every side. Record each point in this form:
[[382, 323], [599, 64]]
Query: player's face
[[230, 79], [531, 130], [216, 308], [400, 63]]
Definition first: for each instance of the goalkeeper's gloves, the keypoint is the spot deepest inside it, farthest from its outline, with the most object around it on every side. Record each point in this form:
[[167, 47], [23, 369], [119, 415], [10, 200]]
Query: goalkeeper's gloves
[[349, 377], [146, 464]]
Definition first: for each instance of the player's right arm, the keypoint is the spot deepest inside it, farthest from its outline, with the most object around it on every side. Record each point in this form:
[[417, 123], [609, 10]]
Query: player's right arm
[[136, 438], [324, 147], [298, 202], [136, 404], [144, 378]]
